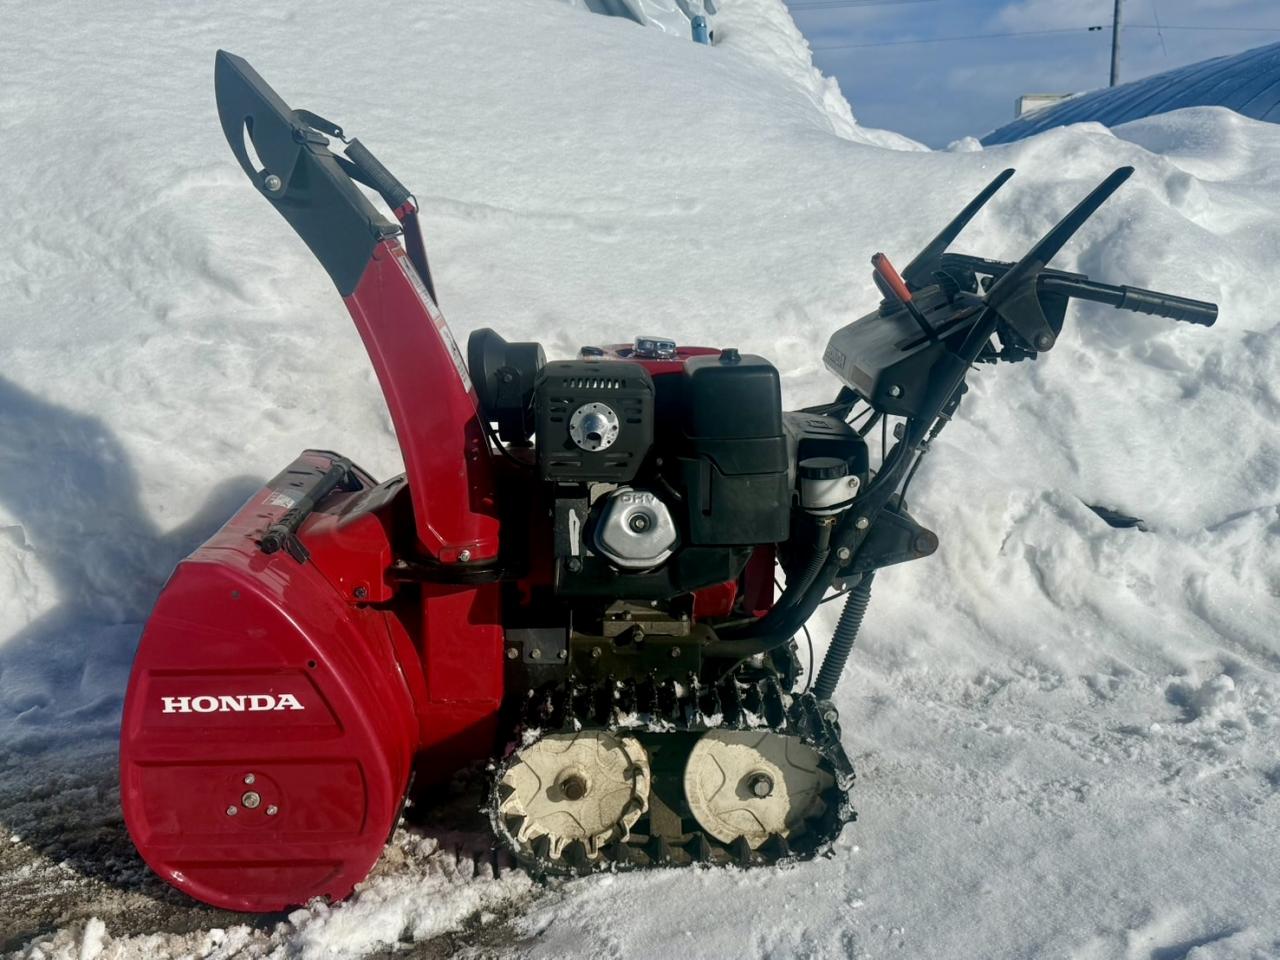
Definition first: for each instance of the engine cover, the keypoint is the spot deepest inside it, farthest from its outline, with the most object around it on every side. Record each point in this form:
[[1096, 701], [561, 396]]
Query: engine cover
[[594, 420]]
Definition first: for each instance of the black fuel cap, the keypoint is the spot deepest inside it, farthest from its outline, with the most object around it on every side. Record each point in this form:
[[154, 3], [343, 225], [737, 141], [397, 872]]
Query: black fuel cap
[[823, 468]]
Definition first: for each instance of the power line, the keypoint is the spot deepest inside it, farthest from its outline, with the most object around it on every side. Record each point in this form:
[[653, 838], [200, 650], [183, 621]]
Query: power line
[[972, 36], [1036, 33], [822, 4], [1197, 26]]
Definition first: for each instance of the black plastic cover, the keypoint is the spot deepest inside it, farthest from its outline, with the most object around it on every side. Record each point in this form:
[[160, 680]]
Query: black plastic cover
[[734, 461], [328, 211], [564, 386]]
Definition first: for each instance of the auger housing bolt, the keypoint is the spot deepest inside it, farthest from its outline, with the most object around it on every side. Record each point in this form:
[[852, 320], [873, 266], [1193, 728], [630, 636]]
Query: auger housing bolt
[[272, 810], [249, 778], [251, 800], [232, 811]]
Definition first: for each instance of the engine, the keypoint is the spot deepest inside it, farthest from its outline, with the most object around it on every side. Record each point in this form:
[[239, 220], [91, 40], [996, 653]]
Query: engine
[[656, 474]]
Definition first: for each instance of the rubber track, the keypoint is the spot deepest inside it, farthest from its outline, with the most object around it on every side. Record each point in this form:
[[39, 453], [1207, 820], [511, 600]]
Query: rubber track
[[665, 707]]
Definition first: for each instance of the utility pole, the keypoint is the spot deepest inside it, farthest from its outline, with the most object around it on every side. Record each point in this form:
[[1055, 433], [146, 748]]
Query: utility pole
[[1115, 45]]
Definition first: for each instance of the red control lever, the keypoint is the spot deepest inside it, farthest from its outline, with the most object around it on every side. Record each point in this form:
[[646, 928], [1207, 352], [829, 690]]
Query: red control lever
[[889, 275]]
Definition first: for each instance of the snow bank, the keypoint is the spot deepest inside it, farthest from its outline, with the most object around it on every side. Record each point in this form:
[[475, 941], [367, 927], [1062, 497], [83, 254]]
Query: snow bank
[[1066, 734]]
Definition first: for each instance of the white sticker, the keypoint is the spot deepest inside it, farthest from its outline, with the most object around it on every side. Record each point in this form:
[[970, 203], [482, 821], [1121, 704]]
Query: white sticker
[[279, 499], [437, 318]]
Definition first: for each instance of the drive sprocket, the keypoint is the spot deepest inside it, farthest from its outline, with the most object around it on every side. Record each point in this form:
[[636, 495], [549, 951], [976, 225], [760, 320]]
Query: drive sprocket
[[588, 787], [754, 784]]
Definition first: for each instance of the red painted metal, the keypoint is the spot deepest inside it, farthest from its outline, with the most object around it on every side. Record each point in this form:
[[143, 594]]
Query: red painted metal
[[414, 680], [656, 367], [329, 774], [433, 407]]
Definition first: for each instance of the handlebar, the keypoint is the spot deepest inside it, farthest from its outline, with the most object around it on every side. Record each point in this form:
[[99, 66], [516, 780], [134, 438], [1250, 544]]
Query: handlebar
[[1124, 297], [1077, 285]]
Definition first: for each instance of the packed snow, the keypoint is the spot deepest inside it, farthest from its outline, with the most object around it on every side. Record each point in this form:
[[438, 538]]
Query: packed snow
[[1066, 734]]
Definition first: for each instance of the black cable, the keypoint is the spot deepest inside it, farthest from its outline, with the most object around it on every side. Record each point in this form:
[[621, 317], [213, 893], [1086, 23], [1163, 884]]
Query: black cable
[[870, 424], [870, 409], [902, 494], [808, 677], [492, 435]]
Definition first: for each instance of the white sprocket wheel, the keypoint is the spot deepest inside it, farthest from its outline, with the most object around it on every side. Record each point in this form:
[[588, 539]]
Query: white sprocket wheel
[[590, 786], [754, 784]]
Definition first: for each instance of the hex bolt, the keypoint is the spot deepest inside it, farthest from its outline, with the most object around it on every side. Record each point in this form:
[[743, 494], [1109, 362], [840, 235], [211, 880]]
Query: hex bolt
[[360, 592], [830, 715], [251, 800], [562, 654], [232, 811], [573, 787], [596, 653], [843, 554], [1044, 341], [249, 778], [272, 182], [272, 810], [760, 785], [512, 653], [574, 565], [862, 523], [895, 391], [675, 653], [464, 555], [535, 654]]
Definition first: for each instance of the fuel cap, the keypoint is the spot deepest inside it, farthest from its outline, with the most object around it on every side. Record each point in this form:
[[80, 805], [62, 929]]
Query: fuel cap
[[823, 468]]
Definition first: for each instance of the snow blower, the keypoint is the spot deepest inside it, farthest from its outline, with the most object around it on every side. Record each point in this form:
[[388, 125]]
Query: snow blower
[[573, 578]]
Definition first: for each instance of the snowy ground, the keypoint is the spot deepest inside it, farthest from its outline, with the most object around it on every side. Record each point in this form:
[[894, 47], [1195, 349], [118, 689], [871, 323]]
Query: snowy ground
[[1066, 735]]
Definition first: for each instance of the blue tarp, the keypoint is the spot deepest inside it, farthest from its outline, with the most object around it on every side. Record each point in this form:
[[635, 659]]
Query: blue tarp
[[1248, 83]]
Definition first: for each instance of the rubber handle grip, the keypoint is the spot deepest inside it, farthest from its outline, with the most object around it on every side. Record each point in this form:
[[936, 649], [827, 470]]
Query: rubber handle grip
[[890, 276], [380, 178], [1167, 305]]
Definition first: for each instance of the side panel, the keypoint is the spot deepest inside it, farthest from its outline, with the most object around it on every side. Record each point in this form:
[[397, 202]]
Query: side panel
[[268, 732]]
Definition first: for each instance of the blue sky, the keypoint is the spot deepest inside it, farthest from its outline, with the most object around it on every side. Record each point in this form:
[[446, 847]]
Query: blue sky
[[940, 91]]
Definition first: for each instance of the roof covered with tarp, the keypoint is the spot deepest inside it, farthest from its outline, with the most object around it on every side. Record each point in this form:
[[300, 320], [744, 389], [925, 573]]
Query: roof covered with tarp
[[1248, 83]]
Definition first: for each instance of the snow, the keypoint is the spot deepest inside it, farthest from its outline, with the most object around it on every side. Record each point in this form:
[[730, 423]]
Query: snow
[[1066, 735]]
